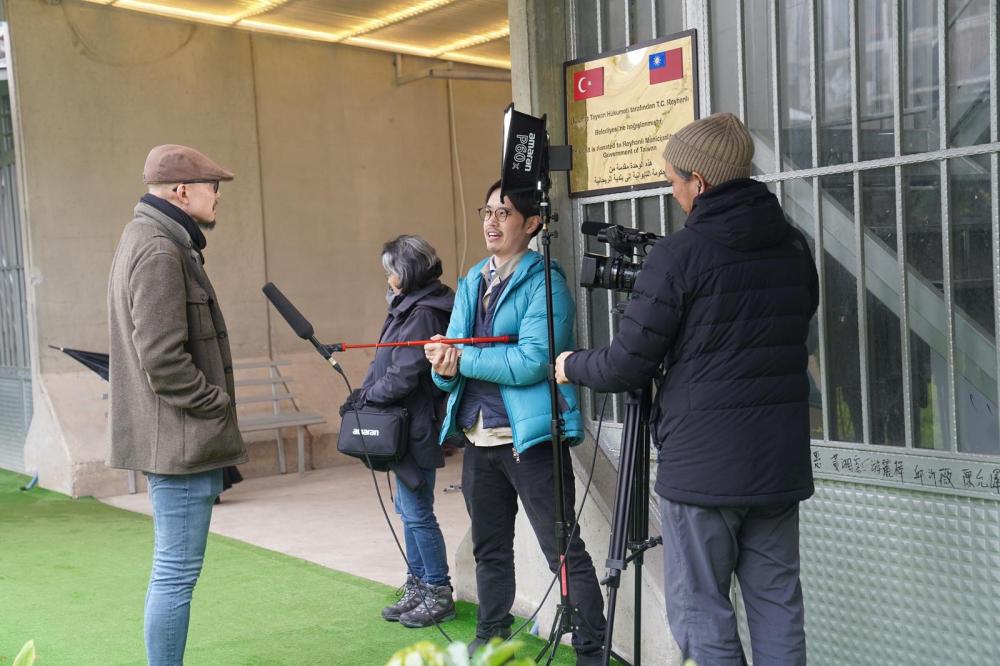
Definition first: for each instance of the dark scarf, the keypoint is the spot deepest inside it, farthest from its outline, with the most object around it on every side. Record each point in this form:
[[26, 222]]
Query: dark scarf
[[181, 218]]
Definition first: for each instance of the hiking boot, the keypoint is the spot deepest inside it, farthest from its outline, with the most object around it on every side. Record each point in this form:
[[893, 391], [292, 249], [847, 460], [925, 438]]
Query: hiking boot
[[407, 602], [479, 642], [436, 605]]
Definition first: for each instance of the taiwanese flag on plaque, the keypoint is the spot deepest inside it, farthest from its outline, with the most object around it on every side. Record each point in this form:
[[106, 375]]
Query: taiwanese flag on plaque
[[666, 66], [588, 83]]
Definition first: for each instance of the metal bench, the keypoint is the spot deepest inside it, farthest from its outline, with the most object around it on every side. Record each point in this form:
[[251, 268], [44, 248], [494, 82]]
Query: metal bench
[[278, 419]]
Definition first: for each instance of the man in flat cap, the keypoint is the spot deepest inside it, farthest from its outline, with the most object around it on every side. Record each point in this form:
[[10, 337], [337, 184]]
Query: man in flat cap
[[723, 306], [173, 412]]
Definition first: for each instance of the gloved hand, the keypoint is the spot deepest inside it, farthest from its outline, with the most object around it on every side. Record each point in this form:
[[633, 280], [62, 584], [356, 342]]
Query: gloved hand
[[354, 401]]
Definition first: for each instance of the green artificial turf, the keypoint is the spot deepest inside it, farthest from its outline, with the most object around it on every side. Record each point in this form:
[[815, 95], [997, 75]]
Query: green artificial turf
[[73, 577]]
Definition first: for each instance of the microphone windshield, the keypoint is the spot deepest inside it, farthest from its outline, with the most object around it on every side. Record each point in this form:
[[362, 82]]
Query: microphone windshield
[[299, 324], [589, 228]]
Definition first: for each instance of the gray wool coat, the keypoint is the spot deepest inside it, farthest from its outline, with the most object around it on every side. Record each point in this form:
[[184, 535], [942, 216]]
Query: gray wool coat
[[172, 395]]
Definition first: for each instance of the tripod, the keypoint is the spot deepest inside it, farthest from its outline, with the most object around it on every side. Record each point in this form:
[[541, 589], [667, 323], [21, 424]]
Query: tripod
[[630, 523]]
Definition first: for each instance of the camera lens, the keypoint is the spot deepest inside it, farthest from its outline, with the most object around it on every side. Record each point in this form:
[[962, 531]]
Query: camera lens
[[625, 277], [617, 273], [591, 268]]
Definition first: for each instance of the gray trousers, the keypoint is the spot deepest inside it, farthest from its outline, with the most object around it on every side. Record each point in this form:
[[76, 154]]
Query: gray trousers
[[703, 548]]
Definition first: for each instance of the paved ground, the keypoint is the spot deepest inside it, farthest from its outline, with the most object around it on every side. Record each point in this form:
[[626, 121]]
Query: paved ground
[[331, 517]]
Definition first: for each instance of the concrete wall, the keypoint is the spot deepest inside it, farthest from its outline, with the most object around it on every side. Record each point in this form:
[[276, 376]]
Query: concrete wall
[[331, 158]]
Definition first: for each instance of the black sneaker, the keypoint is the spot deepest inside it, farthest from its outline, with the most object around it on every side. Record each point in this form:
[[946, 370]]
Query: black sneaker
[[479, 642], [436, 605], [407, 602]]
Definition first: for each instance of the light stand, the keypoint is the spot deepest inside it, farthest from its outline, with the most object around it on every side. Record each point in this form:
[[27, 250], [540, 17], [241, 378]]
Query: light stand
[[527, 160], [562, 623]]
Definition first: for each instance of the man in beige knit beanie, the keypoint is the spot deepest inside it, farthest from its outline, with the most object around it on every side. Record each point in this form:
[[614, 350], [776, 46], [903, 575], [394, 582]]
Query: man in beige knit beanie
[[708, 152], [723, 307]]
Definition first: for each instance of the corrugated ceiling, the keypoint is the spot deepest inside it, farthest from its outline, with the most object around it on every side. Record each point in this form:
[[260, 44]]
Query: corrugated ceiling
[[470, 31]]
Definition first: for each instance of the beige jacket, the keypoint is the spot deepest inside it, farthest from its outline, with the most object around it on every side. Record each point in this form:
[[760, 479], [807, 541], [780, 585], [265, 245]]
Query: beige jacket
[[172, 396]]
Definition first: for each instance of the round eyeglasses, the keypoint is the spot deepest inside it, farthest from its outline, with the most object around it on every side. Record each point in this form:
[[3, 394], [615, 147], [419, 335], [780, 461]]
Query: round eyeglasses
[[499, 214]]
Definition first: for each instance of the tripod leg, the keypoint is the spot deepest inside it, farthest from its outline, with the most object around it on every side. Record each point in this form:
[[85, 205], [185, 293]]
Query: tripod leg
[[638, 533], [622, 518], [555, 634], [612, 600], [640, 517]]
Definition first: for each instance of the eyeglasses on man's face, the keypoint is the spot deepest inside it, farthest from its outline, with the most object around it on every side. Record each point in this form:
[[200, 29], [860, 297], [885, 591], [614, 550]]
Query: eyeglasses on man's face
[[213, 183], [499, 214]]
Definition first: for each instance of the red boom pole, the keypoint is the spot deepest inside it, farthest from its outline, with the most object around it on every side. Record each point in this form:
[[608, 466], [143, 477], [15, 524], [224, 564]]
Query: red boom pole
[[510, 339]]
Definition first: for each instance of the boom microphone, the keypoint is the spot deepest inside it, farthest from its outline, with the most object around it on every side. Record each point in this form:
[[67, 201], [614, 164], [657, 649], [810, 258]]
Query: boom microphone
[[589, 228], [299, 324]]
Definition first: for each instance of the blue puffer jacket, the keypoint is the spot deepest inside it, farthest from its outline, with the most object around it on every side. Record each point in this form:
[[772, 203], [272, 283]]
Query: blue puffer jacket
[[519, 369]]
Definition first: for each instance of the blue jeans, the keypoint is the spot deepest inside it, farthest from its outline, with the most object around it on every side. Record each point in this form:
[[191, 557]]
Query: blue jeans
[[182, 510], [425, 547]]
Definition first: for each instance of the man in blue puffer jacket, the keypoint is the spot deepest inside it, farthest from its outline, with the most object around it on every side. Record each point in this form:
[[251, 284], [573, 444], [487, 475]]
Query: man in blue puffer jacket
[[499, 400], [724, 305]]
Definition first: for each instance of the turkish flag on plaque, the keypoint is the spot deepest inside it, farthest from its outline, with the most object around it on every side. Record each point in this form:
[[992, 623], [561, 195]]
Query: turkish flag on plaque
[[666, 66], [588, 83]]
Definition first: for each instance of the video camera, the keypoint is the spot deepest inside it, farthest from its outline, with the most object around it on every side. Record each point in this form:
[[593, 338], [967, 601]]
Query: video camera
[[526, 161], [616, 271]]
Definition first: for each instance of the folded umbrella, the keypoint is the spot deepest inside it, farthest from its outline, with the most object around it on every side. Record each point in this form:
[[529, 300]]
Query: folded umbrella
[[99, 362], [96, 361]]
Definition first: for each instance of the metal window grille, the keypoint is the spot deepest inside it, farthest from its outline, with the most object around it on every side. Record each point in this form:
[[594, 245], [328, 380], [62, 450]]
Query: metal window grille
[[15, 375], [871, 102]]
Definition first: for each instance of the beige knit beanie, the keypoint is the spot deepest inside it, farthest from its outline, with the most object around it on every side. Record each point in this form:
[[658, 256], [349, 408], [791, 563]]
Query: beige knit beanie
[[718, 147]]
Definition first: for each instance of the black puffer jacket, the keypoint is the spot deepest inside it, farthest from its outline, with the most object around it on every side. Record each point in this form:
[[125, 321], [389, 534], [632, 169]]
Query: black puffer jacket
[[402, 375], [725, 305]]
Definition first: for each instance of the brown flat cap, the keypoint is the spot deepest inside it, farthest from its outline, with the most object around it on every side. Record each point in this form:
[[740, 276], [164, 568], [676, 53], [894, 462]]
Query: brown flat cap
[[171, 163]]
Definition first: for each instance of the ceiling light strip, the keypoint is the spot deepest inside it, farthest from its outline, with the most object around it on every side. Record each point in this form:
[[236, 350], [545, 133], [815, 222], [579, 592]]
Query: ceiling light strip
[[475, 40], [399, 16], [260, 9], [172, 12], [290, 31], [447, 52], [395, 47]]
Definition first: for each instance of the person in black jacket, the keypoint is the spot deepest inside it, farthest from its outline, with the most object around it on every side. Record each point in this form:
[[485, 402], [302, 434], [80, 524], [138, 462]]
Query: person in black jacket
[[724, 306], [419, 307]]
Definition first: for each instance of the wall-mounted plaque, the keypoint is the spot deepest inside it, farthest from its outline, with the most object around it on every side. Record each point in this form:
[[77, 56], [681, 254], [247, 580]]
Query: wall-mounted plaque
[[622, 106]]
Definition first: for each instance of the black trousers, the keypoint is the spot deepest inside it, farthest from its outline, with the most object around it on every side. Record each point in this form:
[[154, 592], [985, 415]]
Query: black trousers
[[492, 482]]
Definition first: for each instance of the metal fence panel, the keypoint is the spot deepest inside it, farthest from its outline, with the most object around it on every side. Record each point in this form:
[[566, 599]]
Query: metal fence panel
[[15, 373]]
